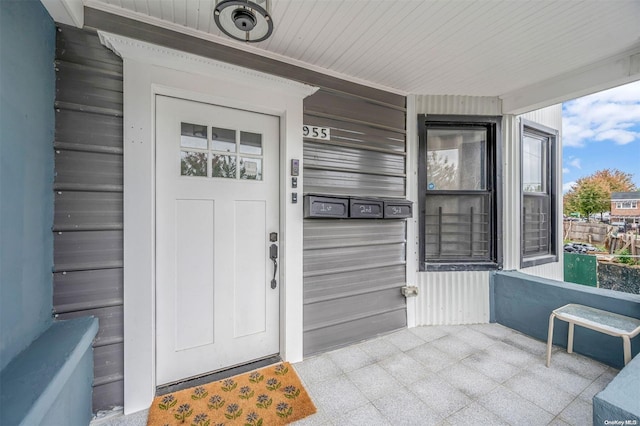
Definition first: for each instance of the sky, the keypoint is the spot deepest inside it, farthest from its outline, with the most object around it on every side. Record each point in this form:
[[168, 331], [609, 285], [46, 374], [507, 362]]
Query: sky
[[601, 131]]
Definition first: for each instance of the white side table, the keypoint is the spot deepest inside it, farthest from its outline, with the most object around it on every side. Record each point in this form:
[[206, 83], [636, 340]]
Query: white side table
[[594, 319]]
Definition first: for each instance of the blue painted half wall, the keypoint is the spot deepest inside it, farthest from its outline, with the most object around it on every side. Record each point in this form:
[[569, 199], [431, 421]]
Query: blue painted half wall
[[27, 90], [524, 302]]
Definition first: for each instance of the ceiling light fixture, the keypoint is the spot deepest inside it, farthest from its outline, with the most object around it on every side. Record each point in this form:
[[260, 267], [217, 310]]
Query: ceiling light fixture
[[244, 20]]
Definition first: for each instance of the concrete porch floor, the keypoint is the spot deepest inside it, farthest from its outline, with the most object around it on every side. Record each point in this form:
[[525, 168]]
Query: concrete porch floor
[[484, 374]]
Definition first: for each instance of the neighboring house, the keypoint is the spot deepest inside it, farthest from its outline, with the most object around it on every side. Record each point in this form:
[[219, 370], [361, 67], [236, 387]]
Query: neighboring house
[[625, 207], [180, 161]]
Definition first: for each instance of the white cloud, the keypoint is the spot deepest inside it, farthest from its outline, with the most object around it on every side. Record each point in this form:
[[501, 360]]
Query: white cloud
[[565, 170], [619, 136], [567, 186], [575, 162], [612, 115]]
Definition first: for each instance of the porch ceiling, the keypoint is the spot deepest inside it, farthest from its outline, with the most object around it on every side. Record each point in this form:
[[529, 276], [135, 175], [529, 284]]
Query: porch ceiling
[[479, 48]]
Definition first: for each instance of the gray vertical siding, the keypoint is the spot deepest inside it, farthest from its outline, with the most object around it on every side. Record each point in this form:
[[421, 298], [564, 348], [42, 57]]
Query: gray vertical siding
[[454, 297], [88, 188]]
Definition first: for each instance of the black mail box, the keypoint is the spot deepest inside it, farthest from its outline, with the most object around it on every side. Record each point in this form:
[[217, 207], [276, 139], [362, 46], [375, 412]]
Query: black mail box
[[398, 209], [362, 208], [325, 207]]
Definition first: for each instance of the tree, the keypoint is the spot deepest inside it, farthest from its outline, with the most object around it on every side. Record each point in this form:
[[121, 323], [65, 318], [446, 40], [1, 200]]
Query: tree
[[588, 198], [614, 180], [592, 194]]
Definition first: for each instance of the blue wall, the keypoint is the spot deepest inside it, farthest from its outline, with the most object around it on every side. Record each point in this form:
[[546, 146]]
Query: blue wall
[[27, 90], [524, 302], [619, 400]]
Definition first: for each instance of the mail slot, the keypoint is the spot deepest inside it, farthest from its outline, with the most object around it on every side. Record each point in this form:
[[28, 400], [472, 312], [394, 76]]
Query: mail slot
[[325, 207], [362, 208], [398, 209]]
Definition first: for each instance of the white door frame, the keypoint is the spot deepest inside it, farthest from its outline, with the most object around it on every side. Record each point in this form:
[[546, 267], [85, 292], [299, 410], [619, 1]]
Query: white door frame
[[151, 70]]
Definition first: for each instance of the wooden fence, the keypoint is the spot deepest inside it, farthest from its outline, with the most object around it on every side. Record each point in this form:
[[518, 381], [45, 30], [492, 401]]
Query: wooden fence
[[603, 234], [592, 233], [617, 241]]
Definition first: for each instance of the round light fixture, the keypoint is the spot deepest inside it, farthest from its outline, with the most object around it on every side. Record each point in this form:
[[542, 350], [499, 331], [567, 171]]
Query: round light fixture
[[244, 20]]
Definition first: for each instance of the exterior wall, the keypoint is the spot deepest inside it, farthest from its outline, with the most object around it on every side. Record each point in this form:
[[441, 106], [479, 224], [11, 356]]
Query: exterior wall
[[463, 297], [353, 269], [366, 157], [615, 212], [624, 212], [621, 213], [88, 222], [453, 297], [618, 277], [49, 383], [619, 400], [524, 303], [89, 205], [450, 297], [27, 37]]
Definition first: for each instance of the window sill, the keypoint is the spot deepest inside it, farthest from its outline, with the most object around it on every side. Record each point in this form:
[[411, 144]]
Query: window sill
[[441, 267], [538, 260]]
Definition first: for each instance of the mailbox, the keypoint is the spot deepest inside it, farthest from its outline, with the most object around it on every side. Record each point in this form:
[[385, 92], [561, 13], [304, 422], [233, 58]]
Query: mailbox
[[325, 207], [362, 208], [398, 209]]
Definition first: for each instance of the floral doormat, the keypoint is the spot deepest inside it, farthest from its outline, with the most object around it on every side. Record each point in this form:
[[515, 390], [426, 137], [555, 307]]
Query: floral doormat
[[269, 396]]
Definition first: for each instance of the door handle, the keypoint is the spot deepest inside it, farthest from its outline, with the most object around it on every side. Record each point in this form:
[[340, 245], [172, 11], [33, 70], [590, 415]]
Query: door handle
[[273, 255]]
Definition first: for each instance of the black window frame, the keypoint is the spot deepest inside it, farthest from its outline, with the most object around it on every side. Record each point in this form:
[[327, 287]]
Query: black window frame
[[551, 255], [493, 173]]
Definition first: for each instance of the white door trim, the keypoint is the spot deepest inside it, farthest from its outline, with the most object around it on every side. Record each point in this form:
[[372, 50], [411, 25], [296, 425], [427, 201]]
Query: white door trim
[[151, 70]]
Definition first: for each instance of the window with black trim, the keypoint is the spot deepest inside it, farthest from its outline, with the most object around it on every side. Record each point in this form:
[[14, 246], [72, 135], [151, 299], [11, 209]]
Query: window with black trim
[[458, 183], [538, 194]]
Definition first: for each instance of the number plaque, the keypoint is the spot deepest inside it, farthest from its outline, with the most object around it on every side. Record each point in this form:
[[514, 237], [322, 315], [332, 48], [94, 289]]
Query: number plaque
[[315, 132]]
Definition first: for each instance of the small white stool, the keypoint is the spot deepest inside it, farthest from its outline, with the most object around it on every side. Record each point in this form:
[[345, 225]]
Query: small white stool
[[594, 319]]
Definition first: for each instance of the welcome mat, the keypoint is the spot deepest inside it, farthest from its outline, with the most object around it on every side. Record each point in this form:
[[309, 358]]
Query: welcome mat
[[269, 396]]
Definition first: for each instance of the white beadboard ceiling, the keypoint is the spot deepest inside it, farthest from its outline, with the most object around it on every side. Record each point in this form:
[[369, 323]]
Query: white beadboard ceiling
[[444, 47]]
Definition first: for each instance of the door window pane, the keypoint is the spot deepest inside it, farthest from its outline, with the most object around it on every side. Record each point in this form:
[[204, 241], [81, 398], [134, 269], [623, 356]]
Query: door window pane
[[250, 143], [193, 163], [223, 166], [222, 155], [534, 164], [456, 159], [250, 168], [193, 136], [223, 139]]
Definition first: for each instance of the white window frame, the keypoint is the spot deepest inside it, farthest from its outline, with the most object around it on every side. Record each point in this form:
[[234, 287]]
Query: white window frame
[[627, 205]]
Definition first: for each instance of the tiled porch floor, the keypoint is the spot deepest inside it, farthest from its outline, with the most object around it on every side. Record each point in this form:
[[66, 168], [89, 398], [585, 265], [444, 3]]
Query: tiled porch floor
[[482, 374]]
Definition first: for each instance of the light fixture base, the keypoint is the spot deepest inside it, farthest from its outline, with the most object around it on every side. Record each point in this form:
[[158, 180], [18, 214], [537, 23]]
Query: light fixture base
[[244, 20]]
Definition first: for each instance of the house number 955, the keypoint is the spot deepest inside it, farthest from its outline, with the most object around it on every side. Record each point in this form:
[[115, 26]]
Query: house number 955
[[315, 132]]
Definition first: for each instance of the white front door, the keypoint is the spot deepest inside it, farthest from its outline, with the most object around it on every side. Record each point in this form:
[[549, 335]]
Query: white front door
[[217, 174]]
